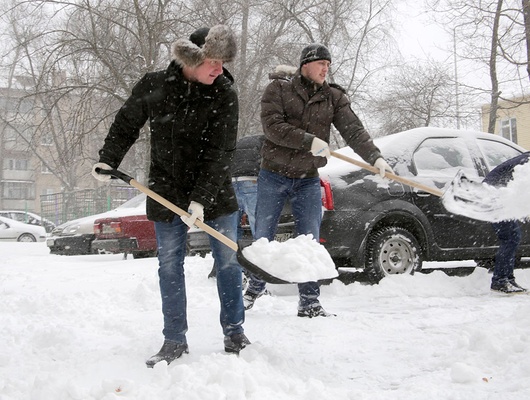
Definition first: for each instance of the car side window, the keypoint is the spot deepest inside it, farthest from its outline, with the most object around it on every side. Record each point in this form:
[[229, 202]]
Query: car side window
[[443, 157], [495, 153]]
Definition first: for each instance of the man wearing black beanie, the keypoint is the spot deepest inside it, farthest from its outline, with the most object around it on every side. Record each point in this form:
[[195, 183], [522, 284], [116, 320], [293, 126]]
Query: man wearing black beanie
[[297, 111]]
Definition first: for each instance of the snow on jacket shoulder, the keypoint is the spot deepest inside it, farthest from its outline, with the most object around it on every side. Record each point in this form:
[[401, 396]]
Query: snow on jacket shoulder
[[291, 117]]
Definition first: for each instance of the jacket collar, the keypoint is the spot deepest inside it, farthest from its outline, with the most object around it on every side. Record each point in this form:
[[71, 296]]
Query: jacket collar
[[176, 77], [301, 86]]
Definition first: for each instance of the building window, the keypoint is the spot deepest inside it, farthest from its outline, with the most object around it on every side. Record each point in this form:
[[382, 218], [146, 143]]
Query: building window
[[47, 191], [44, 169], [18, 190], [509, 129], [46, 139], [16, 164]]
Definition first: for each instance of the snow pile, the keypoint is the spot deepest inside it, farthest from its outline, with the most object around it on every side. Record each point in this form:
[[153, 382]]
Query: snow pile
[[81, 328], [301, 259]]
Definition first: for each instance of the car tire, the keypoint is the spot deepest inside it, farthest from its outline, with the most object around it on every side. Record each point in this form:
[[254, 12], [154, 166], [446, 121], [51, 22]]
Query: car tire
[[391, 251], [26, 237]]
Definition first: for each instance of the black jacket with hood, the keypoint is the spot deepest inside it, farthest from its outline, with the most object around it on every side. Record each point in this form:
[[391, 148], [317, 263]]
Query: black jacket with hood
[[193, 133]]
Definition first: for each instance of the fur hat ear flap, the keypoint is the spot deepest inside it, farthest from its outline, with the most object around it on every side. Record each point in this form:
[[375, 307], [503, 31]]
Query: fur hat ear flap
[[217, 43], [187, 53]]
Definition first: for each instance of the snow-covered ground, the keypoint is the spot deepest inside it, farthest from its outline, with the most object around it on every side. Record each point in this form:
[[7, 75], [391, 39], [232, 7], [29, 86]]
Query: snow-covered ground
[[82, 327]]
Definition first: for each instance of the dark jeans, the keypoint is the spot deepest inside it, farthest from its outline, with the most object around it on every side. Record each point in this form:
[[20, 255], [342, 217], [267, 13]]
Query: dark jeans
[[509, 235], [306, 203], [171, 240], [247, 196]]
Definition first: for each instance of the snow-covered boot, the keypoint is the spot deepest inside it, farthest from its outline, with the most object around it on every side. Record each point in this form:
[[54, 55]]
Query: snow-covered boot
[[235, 343], [170, 351]]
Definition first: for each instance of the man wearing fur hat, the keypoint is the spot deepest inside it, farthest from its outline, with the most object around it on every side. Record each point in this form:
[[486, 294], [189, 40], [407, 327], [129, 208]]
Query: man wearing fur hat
[[297, 110], [192, 110]]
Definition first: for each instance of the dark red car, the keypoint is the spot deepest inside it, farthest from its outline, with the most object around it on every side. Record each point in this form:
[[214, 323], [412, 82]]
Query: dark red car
[[129, 234]]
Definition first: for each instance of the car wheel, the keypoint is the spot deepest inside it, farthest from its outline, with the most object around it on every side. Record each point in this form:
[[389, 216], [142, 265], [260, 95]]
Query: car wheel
[[26, 237], [391, 251]]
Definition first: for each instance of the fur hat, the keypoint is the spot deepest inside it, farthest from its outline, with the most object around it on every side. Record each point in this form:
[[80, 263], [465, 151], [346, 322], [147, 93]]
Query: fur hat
[[217, 42], [314, 52]]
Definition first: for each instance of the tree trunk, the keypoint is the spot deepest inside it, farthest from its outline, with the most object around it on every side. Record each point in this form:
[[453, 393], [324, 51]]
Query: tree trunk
[[526, 15], [493, 70]]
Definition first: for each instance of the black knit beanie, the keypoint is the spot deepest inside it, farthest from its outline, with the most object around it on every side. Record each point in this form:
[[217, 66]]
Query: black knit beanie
[[314, 52]]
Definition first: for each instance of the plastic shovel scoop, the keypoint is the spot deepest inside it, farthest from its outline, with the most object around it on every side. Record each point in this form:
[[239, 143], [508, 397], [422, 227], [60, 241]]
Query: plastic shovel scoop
[[297, 260]]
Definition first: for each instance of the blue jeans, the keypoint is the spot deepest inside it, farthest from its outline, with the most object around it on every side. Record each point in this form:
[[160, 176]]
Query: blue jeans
[[306, 203], [247, 196], [509, 235], [171, 240]]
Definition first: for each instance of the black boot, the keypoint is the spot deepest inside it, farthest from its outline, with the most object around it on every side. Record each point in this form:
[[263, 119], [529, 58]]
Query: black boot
[[170, 351], [236, 343]]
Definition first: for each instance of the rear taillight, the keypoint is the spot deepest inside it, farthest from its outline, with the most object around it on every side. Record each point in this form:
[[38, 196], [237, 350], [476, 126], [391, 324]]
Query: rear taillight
[[108, 228], [113, 227], [327, 194]]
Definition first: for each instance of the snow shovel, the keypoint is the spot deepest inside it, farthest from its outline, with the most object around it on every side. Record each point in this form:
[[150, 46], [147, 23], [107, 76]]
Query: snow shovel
[[463, 196], [249, 266]]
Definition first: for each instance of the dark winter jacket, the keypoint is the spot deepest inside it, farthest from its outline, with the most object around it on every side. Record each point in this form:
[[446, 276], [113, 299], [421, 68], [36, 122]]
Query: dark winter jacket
[[193, 136], [293, 112], [247, 158], [502, 174]]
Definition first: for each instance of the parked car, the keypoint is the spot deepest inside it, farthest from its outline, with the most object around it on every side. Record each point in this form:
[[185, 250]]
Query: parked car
[[15, 231], [28, 218], [389, 228], [385, 227], [128, 234], [75, 237]]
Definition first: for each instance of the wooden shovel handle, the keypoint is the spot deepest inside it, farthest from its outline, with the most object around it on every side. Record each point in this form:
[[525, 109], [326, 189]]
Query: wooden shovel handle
[[177, 210], [389, 175]]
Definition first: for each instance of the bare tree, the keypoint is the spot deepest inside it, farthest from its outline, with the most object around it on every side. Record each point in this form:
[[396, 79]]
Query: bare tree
[[491, 35], [414, 96], [81, 58]]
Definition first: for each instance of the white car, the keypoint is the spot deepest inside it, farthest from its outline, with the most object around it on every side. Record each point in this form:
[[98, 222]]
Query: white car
[[14, 231], [28, 218]]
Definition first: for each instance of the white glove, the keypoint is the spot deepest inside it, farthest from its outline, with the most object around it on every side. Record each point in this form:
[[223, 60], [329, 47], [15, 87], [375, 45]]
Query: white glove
[[382, 165], [197, 212], [101, 177], [320, 148]]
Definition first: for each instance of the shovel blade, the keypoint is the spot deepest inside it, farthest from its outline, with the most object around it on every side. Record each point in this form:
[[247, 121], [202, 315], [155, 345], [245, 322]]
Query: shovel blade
[[255, 270], [472, 199]]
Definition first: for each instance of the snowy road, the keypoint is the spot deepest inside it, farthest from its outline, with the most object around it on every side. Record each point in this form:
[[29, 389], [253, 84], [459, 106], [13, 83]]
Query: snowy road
[[81, 327]]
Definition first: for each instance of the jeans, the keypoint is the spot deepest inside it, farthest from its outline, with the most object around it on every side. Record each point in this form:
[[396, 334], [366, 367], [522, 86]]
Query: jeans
[[247, 196], [171, 240], [509, 235], [306, 203]]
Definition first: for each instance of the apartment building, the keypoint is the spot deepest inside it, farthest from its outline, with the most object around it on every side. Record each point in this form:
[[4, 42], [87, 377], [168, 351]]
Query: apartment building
[[513, 120]]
